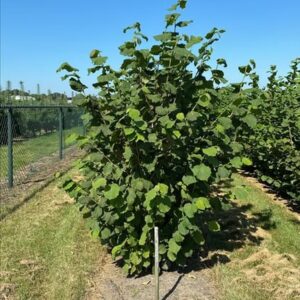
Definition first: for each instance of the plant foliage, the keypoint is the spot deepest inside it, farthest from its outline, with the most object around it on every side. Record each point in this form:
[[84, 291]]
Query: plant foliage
[[162, 135], [273, 143]]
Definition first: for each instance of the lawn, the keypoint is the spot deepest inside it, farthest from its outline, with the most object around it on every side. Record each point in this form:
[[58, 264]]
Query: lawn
[[31, 150], [48, 253]]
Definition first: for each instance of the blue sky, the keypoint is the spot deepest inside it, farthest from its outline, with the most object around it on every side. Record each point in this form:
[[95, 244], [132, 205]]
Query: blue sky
[[37, 36]]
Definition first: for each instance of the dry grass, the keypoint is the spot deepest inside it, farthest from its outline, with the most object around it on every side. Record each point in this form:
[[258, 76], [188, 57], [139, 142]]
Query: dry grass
[[268, 270]]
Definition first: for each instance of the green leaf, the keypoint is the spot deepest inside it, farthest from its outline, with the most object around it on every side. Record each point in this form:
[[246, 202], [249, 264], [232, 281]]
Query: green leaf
[[143, 238], [180, 3], [77, 85], [204, 100], [136, 26], [193, 40], [176, 133], [127, 153], [180, 116], [131, 196], [156, 49], [223, 172], [182, 229], [211, 151], [99, 182], [94, 53], [135, 258], [189, 210], [213, 226], [164, 205], [116, 250], [245, 69], [178, 237], [71, 138], [250, 120], [225, 122], [202, 172], [100, 60], [182, 53], [173, 246], [192, 116], [236, 162], [222, 61], [105, 233], [150, 195], [163, 189], [202, 203], [236, 147], [66, 67], [183, 23], [210, 34], [247, 161], [171, 256], [163, 37], [188, 180], [112, 192], [134, 114], [171, 19], [128, 131]]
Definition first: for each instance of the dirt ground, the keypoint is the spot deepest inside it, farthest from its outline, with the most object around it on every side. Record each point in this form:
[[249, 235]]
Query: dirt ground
[[110, 283]]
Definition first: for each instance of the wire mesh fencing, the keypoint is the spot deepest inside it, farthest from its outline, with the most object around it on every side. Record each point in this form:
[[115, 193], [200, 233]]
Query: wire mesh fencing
[[32, 141]]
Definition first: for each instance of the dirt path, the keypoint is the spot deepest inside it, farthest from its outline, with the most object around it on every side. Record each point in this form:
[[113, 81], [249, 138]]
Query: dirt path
[[110, 283]]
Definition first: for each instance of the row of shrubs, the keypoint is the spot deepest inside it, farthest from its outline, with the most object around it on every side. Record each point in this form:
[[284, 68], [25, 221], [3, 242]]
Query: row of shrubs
[[32, 122]]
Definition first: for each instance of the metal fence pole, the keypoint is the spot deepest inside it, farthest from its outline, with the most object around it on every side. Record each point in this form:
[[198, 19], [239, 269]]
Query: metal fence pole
[[60, 133], [10, 164]]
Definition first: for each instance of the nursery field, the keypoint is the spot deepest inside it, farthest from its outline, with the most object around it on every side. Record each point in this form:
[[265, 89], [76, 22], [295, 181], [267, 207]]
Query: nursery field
[[181, 174], [47, 253]]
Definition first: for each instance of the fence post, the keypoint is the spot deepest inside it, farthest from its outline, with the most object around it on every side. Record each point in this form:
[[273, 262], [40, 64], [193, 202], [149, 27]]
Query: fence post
[[60, 132], [10, 164]]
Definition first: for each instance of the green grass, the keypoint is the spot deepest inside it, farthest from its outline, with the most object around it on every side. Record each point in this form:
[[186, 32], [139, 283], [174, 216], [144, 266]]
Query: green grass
[[31, 150], [281, 241], [46, 251]]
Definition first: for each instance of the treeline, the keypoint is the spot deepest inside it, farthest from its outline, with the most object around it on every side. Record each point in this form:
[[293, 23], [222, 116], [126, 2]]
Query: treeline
[[32, 122]]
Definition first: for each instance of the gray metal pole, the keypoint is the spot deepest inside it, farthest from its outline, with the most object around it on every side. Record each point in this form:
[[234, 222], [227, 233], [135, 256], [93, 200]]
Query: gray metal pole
[[10, 166], [156, 262], [60, 132]]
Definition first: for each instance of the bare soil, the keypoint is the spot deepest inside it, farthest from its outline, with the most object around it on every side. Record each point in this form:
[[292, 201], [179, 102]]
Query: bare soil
[[110, 283]]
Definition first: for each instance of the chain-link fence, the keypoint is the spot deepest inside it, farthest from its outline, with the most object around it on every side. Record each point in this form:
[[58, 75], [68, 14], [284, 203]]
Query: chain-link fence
[[32, 139]]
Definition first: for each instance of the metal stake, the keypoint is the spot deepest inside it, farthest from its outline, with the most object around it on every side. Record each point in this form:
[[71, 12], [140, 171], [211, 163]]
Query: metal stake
[[156, 262]]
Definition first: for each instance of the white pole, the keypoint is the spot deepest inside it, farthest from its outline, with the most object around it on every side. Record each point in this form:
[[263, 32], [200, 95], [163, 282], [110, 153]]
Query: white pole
[[156, 262]]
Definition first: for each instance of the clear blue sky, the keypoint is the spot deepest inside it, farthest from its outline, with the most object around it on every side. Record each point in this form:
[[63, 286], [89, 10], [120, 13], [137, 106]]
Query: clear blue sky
[[37, 36]]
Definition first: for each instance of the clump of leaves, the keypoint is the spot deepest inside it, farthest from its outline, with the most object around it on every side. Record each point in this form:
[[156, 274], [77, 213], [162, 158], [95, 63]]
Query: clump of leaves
[[157, 145]]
